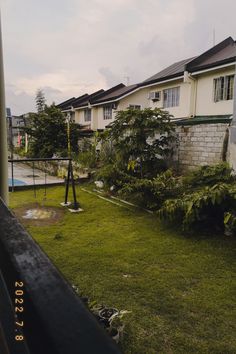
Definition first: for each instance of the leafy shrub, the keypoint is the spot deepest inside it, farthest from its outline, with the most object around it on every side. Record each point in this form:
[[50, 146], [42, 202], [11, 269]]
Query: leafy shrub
[[209, 175], [152, 193], [230, 223], [206, 206], [143, 137], [111, 175], [88, 158], [107, 153]]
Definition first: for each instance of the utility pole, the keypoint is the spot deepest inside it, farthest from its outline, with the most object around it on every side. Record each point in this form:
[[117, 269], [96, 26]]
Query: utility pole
[[3, 131]]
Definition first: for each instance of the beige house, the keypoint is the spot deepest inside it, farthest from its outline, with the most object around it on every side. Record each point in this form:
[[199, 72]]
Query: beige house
[[196, 87]]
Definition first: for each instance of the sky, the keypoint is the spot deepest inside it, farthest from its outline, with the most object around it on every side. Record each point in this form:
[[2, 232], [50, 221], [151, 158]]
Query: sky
[[71, 47]]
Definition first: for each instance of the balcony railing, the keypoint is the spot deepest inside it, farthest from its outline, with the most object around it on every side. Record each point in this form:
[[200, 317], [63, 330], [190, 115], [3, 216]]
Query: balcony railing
[[39, 311]]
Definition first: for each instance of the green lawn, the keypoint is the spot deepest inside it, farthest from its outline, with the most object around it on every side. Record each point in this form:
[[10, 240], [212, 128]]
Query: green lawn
[[181, 290]]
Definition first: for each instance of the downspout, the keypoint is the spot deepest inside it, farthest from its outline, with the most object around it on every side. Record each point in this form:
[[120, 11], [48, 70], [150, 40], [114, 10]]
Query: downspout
[[232, 130], [3, 132], [188, 78], [234, 107]]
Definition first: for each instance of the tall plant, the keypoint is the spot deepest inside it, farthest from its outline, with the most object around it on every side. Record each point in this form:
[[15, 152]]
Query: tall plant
[[48, 134], [142, 138]]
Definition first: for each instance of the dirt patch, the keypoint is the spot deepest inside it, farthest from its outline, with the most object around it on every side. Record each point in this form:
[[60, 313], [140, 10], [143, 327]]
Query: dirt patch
[[38, 215]]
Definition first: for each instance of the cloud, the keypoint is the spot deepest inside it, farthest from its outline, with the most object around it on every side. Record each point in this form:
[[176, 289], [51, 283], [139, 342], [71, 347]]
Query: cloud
[[78, 47], [110, 78]]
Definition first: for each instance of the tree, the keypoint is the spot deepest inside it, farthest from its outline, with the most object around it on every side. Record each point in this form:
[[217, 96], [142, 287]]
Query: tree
[[48, 133], [142, 139], [40, 101]]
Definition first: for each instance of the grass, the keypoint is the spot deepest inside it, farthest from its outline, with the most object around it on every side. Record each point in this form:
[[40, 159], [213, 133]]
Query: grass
[[180, 289]]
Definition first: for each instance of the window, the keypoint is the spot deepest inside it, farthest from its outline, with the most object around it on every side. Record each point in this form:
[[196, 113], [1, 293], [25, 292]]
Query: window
[[134, 106], [87, 115], [223, 88], [171, 97], [107, 112]]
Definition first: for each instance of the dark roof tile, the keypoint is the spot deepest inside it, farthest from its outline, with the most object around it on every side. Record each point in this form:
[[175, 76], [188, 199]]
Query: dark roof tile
[[115, 93], [171, 71], [221, 53]]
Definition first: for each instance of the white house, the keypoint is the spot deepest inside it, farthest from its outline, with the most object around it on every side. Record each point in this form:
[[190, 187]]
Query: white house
[[196, 87]]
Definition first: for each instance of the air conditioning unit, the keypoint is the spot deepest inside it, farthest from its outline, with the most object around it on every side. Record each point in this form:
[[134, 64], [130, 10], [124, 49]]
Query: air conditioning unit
[[155, 95]]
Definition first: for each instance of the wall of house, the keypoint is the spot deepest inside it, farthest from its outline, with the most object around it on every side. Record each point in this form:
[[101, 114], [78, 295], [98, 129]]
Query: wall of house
[[101, 122], [94, 118], [181, 111], [200, 144], [79, 116], [139, 97], [205, 104]]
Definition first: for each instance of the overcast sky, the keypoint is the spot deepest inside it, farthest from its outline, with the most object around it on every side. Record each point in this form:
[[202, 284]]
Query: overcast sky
[[72, 47]]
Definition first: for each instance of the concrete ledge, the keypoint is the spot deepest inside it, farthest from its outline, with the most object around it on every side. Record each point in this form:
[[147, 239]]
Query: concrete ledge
[[205, 120]]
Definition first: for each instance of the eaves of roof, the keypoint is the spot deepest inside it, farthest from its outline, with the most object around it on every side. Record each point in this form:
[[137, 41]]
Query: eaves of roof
[[161, 79], [116, 95], [86, 102], [213, 65]]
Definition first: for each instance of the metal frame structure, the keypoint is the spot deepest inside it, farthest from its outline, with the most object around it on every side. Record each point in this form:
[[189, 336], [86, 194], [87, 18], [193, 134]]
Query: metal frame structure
[[70, 176]]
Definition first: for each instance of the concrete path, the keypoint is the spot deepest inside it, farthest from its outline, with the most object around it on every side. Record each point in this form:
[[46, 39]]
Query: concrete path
[[23, 175]]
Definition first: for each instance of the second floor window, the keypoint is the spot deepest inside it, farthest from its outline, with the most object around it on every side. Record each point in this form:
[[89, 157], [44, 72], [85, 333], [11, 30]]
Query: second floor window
[[87, 115], [223, 88], [107, 112], [171, 97]]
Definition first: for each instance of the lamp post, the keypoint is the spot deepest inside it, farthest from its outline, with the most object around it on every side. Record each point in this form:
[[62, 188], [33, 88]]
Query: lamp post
[[3, 132]]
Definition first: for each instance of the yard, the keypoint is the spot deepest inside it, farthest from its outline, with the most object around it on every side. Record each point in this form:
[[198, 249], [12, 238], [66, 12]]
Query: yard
[[180, 289]]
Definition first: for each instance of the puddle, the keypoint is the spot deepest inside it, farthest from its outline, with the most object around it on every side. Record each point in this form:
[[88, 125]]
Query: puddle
[[38, 214]]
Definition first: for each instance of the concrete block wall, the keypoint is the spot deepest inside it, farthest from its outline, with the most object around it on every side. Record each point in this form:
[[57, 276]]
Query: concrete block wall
[[200, 144]]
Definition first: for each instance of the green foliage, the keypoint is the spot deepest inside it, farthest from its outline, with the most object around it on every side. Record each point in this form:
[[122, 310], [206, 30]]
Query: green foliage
[[87, 156], [141, 140], [87, 159], [152, 193], [107, 153], [48, 133], [209, 175], [111, 175], [230, 223], [206, 206]]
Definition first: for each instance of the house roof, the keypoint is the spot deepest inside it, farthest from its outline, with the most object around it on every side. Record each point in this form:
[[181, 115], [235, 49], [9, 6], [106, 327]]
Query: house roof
[[114, 93], [87, 99], [171, 71], [222, 53], [65, 103], [70, 103]]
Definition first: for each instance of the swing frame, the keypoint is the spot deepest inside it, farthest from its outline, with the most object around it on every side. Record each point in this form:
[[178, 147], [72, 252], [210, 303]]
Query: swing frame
[[70, 176]]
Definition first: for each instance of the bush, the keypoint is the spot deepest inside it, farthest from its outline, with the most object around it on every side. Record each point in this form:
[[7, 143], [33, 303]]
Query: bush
[[209, 175], [111, 175], [88, 159], [152, 193], [205, 207], [230, 223]]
